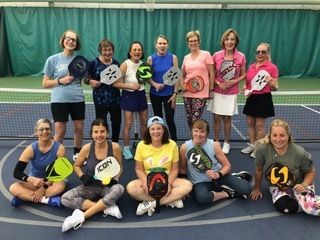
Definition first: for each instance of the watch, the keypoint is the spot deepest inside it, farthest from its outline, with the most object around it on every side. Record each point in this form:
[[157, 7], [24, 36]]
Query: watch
[[45, 186], [220, 174]]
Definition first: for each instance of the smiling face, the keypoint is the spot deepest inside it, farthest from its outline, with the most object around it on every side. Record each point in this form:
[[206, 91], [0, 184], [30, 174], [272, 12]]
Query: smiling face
[[193, 43], [135, 52], [262, 53], [156, 132], [279, 138], [230, 42], [43, 130], [99, 133], [70, 41]]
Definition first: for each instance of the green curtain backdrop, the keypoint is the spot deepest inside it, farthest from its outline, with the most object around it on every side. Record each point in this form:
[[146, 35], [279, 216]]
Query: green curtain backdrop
[[33, 33], [4, 55]]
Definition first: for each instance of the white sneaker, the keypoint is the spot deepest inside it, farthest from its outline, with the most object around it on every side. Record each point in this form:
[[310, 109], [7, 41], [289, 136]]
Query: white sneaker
[[146, 206], [253, 154], [177, 204], [75, 156], [113, 211], [226, 148], [249, 149], [74, 221]]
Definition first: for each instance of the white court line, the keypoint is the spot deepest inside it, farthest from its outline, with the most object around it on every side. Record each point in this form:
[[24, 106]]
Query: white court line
[[311, 109]]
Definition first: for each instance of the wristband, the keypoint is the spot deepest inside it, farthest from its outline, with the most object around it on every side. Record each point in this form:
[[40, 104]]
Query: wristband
[[25, 178], [220, 174], [59, 83]]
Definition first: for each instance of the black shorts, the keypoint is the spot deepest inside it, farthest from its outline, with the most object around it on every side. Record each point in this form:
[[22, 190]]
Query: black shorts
[[259, 106], [61, 111]]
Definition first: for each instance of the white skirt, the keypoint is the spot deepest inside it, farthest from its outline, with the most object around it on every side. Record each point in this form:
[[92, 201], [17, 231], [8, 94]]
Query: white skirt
[[225, 105]]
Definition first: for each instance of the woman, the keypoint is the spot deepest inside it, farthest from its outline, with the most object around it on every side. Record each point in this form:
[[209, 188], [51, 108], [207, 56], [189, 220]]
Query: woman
[[278, 147], [216, 183], [259, 105], [157, 151], [230, 69], [133, 95], [83, 198], [106, 98], [34, 187], [66, 95], [161, 94], [197, 63]]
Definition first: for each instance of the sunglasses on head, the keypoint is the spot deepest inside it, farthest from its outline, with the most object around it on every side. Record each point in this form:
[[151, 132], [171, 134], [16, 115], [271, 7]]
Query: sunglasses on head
[[262, 52]]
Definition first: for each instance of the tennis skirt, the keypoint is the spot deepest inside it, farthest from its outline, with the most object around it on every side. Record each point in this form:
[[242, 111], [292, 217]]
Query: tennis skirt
[[224, 105], [259, 106]]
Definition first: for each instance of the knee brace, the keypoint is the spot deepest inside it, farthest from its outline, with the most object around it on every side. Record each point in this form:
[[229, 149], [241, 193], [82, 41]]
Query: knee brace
[[286, 204]]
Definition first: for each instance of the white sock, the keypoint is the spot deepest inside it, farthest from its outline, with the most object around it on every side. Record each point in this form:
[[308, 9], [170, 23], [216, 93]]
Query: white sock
[[45, 200]]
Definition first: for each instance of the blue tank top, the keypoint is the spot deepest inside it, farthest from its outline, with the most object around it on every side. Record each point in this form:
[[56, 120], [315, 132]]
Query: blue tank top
[[193, 175], [41, 160], [160, 65]]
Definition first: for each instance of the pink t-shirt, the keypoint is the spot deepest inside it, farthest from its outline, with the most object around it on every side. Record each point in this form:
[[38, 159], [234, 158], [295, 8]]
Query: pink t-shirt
[[197, 67], [232, 68], [253, 70]]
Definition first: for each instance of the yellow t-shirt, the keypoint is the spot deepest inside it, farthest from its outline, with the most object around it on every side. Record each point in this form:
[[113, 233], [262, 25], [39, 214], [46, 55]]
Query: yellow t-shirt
[[157, 159]]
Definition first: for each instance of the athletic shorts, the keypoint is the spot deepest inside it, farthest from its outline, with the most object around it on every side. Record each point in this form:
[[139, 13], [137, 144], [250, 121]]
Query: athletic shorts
[[224, 105], [259, 106], [61, 111], [133, 101]]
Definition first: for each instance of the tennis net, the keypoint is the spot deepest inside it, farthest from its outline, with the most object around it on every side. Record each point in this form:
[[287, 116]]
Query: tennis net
[[21, 108]]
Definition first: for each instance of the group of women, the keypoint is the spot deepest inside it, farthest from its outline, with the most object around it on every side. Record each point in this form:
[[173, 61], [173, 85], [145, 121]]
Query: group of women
[[157, 150]]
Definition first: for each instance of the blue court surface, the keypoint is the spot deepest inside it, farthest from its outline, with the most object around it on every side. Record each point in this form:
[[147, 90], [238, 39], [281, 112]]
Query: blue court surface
[[227, 219]]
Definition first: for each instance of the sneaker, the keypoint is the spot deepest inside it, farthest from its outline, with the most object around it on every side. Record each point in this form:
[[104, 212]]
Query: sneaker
[[55, 201], [249, 149], [226, 148], [74, 221], [75, 156], [113, 211], [127, 153], [17, 201], [243, 175], [232, 193], [146, 206], [253, 154], [176, 204]]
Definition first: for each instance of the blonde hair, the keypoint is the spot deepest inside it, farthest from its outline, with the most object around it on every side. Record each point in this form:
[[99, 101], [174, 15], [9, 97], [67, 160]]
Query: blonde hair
[[276, 123], [192, 34], [267, 45]]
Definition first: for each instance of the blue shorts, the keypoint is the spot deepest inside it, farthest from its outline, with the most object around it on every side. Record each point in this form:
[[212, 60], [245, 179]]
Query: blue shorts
[[133, 101], [61, 111]]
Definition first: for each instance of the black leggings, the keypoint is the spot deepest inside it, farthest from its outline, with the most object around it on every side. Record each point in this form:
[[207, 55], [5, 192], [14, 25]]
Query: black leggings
[[157, 102]]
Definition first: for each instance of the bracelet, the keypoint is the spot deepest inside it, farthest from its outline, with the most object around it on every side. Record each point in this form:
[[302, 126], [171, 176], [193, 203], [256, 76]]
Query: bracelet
[[59, 83], [305, 186], [220, 174], [211, 90], [176, 93]]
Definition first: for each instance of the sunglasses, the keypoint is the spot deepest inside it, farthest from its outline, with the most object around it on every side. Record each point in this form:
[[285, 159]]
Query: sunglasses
[[44, 129], [70, 39], [262, 52]]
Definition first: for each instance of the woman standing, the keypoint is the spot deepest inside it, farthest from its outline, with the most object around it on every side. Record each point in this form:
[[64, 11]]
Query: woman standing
[[34, 187], [133, 97], [106, 98], [156, 151], [289, 171], [259, 105], [197, 64], [83, 198], [66, 95], [230, 69], [161, 94]]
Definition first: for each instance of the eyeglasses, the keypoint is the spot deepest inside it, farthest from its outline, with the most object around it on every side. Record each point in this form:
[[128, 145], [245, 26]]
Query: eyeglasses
[[70, 39], [193, 41], [44, 129], [262, 52]]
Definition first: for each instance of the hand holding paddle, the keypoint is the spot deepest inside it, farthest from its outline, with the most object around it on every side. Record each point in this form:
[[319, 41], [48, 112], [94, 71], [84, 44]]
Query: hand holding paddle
[[106, 170], [257, 83]]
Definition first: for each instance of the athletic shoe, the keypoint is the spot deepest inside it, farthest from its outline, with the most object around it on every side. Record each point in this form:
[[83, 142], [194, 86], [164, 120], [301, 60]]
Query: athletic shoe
[[75, 156], [74, 221], [232, 193], [249, 149], [113, 211], [176, 204], [127, 153], [146, 206], [226, 148], [253, 154], [243, 175], [55, 201], [17, 201]]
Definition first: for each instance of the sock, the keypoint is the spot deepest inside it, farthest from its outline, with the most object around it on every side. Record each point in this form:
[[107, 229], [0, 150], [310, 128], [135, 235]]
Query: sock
[[45, 200], [76, 150]]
